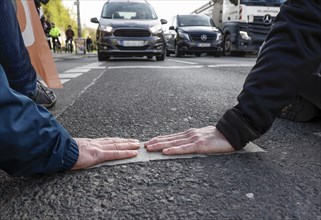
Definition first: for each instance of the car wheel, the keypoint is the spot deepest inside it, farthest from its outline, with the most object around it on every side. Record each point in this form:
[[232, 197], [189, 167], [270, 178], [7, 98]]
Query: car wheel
[[149, 57], [198, 54], [177, 53], [160, 58], [217, 54], [101, 57], [227, 45], [168, 53]]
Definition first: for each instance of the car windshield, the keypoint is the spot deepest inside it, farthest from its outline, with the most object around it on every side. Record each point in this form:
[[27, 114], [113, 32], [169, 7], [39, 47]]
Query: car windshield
[[194, 20], [263, 2], [129, 11]]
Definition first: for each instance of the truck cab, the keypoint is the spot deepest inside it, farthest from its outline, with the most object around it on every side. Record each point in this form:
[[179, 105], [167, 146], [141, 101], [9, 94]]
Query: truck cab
[[244, 23]]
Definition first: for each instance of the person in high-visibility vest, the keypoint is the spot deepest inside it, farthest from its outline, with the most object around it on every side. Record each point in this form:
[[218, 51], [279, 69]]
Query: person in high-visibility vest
[[55, 34]]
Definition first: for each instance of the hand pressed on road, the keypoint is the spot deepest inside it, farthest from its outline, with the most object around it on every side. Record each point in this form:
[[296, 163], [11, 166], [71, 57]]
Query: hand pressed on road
[[206, 140], [95, 151]]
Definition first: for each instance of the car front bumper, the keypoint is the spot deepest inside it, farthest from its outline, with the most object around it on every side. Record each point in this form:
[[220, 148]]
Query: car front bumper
[[200, 47], [115, 46]]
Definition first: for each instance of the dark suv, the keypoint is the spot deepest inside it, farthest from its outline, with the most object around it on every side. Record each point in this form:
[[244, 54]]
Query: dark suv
[[193, 34], [129, 28]]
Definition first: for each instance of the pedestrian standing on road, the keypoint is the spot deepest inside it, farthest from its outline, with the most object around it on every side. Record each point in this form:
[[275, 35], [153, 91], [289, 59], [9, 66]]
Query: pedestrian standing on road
[[89, 44], [285, 82], [32, 141]]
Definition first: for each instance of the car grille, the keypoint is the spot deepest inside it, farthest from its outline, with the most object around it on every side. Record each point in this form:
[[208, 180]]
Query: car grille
[[197, 37], [132, 33], [258, 28], [119, 47]]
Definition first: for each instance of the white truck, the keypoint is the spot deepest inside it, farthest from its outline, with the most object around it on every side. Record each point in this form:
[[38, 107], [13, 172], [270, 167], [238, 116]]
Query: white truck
[[244, 23]]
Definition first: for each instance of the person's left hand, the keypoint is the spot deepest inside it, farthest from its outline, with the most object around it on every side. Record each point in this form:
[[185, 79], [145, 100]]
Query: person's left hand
[[95, 151], [207, 140]]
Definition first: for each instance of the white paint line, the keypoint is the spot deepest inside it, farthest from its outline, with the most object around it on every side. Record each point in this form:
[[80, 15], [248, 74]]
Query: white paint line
[[317, 134], [69, 75], [91, 67], [230, 65], [153, 67], [181, 61], [77, 70], [64, 81], [144, 156]]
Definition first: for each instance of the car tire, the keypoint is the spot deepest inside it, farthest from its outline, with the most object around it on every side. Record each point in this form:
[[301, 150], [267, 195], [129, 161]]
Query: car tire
[[160, 58], [101, 57], [177, 53], [227, 45], [217, 54], [149, 57], [198, 54], [168, 53]]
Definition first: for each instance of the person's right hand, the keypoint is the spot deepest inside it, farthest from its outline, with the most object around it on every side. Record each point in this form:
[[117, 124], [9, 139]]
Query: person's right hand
[[96, 151], [207, 140]]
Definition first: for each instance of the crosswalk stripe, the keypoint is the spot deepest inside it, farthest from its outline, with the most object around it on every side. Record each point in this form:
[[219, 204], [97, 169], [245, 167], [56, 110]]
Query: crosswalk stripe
[[77, 70], [64, 81], [69, 75]]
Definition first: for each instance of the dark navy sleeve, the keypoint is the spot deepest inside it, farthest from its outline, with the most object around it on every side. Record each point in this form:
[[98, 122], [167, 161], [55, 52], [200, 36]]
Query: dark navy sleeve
[[31, 140], [289, 57]]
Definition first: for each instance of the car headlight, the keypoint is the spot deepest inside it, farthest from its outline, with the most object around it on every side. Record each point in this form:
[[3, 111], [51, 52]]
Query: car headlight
[[184, 35], [219, 36], [244, 35], [156, 29], [105, 28]]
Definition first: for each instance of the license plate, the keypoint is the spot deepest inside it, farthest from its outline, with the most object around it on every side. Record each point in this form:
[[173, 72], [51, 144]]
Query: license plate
[[133, 43], [204, 45]]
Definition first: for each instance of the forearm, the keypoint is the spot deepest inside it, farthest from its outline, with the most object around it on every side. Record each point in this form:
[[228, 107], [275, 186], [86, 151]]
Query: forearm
[[32, 141]]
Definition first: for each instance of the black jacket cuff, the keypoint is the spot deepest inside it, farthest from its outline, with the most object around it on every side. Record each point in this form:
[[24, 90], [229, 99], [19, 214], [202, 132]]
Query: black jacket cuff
[[236, 129]]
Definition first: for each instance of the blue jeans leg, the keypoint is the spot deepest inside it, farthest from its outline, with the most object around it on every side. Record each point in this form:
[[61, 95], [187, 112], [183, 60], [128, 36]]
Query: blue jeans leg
[[14, 56]]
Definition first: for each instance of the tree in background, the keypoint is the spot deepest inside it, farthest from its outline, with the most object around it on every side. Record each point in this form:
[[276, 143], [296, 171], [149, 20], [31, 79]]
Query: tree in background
[[56, 12]]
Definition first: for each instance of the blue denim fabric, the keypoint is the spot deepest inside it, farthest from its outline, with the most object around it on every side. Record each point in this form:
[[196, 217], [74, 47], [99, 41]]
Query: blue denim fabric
[[14, 56], [31, 140]]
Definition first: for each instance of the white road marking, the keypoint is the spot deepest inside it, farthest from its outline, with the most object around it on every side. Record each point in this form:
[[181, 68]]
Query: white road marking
[[69, 75], [181, 61], [91, 67], [153, 67], [64, 81], [230, 65], [317, 134], [78, 70]]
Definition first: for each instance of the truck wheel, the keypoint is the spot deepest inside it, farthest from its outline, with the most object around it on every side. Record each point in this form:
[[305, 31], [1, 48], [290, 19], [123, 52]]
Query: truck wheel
[[227, 45], [168, 53]]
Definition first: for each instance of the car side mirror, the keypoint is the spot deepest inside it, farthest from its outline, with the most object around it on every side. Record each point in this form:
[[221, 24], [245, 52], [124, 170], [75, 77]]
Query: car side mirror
[[94, 20], [171, 28], [235, 2], [163, 21]]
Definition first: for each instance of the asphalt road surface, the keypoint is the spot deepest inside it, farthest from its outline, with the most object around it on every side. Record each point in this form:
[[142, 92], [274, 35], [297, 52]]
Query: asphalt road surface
[[142, 98]]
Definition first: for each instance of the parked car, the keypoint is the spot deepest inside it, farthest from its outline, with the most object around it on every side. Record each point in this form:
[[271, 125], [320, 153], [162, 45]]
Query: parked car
[[129, 28], [193, 34]]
